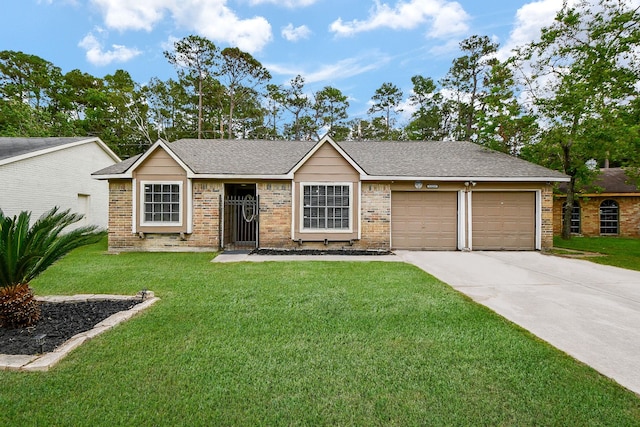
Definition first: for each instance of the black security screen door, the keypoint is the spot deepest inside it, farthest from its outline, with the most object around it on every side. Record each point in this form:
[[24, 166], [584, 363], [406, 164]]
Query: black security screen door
[[240, 217]]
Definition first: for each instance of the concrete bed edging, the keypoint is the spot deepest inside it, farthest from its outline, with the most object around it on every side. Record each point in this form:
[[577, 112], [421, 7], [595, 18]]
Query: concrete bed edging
[[45, 361]]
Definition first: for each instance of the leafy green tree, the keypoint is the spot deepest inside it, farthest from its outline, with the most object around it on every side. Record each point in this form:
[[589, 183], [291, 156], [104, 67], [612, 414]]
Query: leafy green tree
[[465, 79], [375, 129], [197, 58], [330, 109], [172, 111], [386, 99], [28, 250], [502, 123], [426, 121], [584, 75], [241, 74], [273, 112], [295, 101], [27, 80]]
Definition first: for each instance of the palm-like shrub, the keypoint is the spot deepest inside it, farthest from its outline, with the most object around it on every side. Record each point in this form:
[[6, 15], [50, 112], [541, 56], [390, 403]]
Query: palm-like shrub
[[28, 250]]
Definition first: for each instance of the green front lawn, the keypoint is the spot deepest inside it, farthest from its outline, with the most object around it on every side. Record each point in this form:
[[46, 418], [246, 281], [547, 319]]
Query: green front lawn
[[301, 343], [617, 251]]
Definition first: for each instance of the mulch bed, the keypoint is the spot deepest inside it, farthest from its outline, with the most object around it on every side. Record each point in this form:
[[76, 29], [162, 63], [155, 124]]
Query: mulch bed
[[60, 321], [267, 251]]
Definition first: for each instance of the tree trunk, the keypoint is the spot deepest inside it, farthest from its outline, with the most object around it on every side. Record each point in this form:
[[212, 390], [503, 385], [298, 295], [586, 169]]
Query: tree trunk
[[200, 107], [18, 308], [566, 219], [231, 106]]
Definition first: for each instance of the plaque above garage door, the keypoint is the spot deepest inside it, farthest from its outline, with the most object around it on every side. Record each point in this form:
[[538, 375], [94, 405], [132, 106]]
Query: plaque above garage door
[[424, 220], [503, 220]]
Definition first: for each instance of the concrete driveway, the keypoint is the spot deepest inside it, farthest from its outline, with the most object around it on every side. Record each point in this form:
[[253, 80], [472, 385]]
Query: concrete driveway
[[590, 311]]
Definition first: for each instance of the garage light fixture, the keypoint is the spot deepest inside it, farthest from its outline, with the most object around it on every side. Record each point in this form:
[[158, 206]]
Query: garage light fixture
[[418, 184]]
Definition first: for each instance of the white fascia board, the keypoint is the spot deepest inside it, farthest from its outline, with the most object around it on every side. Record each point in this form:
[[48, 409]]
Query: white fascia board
[[463, 178], [62, 147], [323, 140]]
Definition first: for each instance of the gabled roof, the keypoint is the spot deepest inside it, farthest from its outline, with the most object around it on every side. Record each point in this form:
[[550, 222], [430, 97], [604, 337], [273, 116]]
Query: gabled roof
[[224, 157], [447, 160], [15, 149]]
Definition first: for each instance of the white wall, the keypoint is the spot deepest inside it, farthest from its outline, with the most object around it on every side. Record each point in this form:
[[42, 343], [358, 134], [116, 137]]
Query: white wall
[[60, 178]]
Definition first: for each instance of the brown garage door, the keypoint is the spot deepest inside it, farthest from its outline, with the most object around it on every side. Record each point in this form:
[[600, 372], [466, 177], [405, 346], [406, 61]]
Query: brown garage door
[[421, 220], [503, 220]]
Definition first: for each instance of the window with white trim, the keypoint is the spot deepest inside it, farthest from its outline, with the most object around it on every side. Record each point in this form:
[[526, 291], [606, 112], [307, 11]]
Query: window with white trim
[[161, 203], [326, 207]]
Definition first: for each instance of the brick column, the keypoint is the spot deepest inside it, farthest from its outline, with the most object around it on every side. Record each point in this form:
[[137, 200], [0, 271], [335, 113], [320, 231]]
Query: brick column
[[547, 217], [275, 214], [375, 210]]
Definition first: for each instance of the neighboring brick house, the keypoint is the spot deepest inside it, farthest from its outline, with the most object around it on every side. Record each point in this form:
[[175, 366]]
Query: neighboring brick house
[[241, 194], [610, 206], [40, 173]]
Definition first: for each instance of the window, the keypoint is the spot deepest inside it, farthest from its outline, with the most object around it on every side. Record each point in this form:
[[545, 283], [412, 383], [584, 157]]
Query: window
[[161, 203], [575, 217], [326, 207], [609, 217]]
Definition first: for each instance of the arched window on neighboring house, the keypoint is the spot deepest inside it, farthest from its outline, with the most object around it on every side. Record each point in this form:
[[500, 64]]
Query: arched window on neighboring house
[[609, 217], [575, 216]]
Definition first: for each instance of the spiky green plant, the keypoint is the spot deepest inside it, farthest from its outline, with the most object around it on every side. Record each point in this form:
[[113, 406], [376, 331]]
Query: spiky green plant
[[28, 250]]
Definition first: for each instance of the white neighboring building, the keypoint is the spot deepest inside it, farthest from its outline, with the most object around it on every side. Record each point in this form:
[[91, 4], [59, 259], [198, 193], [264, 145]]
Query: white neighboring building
[[37, 174]]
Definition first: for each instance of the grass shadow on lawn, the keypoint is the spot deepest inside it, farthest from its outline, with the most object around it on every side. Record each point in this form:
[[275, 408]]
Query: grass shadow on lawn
[[301, 343]]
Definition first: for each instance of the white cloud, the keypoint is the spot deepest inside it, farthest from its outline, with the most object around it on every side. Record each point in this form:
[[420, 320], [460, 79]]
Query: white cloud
[[132, 15], [530, 19], [97, 56], [331, 72], [286, 3], [294, 34], [211, 19], [218, 23], [445, 18]]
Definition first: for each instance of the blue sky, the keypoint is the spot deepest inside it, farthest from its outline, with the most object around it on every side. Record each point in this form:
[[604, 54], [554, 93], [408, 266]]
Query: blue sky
[[354, 45]]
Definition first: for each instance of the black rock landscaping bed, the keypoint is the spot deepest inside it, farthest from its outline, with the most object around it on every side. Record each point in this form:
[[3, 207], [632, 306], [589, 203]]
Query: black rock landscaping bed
[[266, 251], [60, 321]]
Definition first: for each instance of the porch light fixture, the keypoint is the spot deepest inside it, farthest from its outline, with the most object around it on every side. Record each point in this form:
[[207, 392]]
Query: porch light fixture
[[418, 184]]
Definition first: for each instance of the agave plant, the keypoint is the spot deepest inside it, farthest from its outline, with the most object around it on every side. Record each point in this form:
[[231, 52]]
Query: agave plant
[[28, 250]]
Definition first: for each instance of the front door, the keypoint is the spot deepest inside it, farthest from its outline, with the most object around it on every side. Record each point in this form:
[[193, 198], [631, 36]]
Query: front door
[[240, 217]]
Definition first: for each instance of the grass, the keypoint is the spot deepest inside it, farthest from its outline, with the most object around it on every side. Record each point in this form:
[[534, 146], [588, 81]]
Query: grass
[[301, 343], [617, 251]]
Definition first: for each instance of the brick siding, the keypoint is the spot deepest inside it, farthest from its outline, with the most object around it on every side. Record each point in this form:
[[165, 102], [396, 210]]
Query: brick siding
[[275, 215], [376, 216], [206, 220], [547, 217], [628, 215], [275, 219]]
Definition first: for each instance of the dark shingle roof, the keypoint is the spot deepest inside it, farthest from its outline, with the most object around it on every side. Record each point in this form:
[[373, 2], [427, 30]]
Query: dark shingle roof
[[445, 159], [118, 168], [610, 180], [377, 158], [241, 157], [14, 147]]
